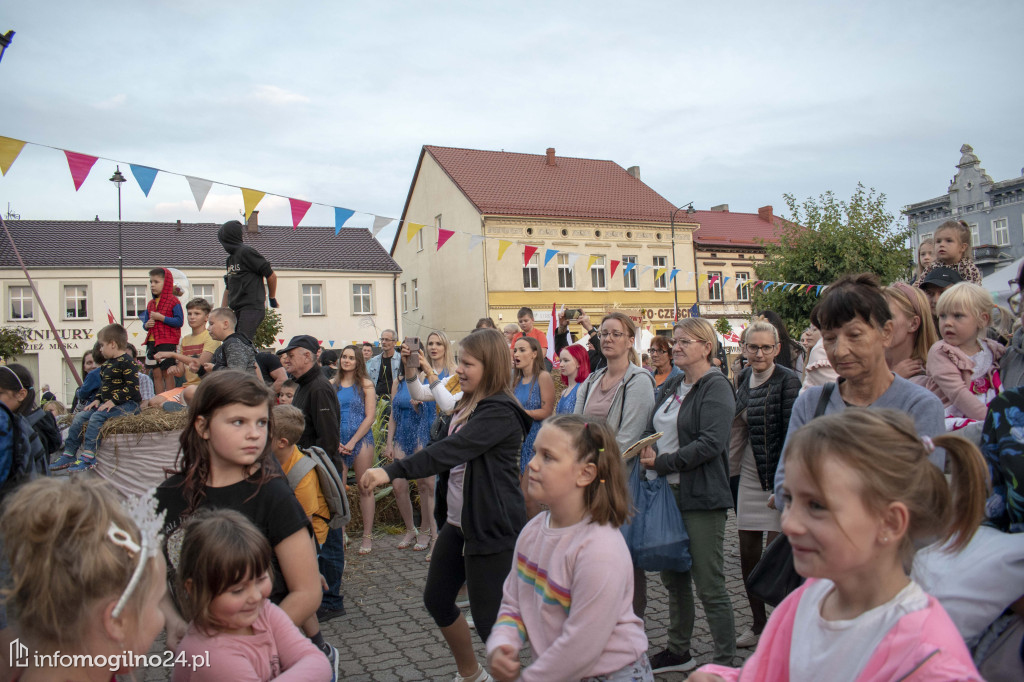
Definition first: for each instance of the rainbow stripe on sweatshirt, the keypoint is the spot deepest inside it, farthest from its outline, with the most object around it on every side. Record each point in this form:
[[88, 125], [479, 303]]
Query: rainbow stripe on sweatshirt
[[512, 620], [550, 591]]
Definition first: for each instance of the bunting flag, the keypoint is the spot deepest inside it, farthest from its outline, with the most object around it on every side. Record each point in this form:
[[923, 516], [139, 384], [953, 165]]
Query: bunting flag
[[548, 255], [615, 265], [331, 342], [713, 280], [411, 229], [818, 292], [528, 252], [379, 223], [80, 165], [341, 216], [591, 261], [475, 240], [503, 245], [645, 269], [573, 257], [144, 175], [299, 208], [200, 188], [629, 266], [672, 275], [725, 280], [9, 150], [443, 236], [281, 341], [701, 279], [659, 273], [251, 198]]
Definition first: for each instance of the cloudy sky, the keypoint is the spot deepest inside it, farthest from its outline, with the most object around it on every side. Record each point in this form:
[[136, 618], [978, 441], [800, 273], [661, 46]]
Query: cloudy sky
[[330, 102]]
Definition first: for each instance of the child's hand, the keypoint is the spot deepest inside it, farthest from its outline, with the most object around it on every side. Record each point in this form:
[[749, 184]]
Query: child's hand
[[374, 478], [705, 677], [172, 371], [208, 366], [908, 368], [107, 406], [193, 364], [162, 355], [159, 317], [93, 405], [504, 663]]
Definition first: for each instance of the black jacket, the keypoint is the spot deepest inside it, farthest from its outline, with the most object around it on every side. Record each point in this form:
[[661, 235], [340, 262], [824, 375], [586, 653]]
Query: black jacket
[[768, 409], [318, 401], [246, 269], [493, 511]]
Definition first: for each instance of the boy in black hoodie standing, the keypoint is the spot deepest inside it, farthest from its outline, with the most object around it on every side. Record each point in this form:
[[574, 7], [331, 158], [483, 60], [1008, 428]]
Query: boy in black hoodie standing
[[246, 269]]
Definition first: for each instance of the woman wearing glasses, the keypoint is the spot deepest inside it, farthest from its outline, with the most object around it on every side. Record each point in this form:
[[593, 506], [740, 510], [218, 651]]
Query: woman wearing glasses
[[661, 359], [765, 395], [1011, 365]]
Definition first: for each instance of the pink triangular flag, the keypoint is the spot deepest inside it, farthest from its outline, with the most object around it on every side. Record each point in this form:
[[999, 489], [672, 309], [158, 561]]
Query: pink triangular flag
[[80, 165], [281, 341], [299, 208], [615, 266], [443, 236]]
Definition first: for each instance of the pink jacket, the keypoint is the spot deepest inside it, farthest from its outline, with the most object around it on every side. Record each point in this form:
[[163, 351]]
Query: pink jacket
[[922, 646], [949, 377]]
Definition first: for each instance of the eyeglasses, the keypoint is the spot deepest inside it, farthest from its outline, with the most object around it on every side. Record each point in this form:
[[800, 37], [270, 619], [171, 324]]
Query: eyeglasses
[[613, 335], [754, 350], [686, 342], [652, 351], [386, 339]]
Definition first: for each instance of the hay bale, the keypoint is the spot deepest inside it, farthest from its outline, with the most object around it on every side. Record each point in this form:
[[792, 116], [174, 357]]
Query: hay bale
[[150, 420]]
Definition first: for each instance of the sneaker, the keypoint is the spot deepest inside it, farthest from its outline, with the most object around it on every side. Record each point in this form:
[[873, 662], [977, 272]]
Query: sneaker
[[480, 675], [462, 603], [747, 640], [325, 614], [63, 462], [333, 658], [469, 622], [668, 662], [84, 464]]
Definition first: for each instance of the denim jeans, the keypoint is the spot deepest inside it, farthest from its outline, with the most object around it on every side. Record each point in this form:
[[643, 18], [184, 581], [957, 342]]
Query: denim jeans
[[93, 421], [332, 565]]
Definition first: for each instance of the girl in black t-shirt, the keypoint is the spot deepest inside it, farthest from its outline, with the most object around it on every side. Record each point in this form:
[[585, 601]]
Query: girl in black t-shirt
[[226, 462]]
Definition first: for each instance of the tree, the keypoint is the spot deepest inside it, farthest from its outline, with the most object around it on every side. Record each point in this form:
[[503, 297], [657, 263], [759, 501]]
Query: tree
[[823, 239], [270, 327], [722, 326], [12, 342]]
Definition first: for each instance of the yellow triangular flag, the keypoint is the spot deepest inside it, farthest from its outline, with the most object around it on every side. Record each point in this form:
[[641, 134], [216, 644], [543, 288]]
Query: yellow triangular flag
[[591, 261], [9, 150], [251, 197], [659, 273], [503, 247], [413, 228], [702, 279]]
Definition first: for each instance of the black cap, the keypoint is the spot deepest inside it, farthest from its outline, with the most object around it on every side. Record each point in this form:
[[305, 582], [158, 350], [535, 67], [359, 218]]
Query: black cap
[[302, 341], [942, 278]]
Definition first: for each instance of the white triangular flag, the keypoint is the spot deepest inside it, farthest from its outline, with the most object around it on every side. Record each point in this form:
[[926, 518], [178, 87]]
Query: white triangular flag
[[645, 269], [380, 222], [475, 240], [200, 188], [573, 257]]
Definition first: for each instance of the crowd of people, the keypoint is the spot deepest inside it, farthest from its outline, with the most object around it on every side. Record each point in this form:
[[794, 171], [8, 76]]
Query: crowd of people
[[882, 452]]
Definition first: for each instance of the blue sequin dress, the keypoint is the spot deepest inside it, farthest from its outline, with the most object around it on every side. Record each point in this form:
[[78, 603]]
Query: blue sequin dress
[[528, 396], [353, 412], [567, 403], [407, 420]]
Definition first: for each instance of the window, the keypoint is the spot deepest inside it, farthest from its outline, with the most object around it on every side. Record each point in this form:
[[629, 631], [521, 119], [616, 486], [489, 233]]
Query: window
[[742, 290], [629, 278], [1001, 232], [419, 240], [204, 291], [312, 298], [531, 274], [415, 294], [660, 282], [362, 299], [715, 288], [22, 305], [135, 299], [927, 235], [597, 274], [76, 302], [566, 277], [975, 237], [405, 298]]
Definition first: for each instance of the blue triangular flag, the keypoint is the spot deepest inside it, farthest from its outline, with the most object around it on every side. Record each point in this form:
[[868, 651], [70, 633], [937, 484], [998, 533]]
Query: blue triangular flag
[[818, 290], [725, 279], [695, 310], [144, 175], [549, 254], [629, 266], [341, 215], [675, 271], [332, 343]]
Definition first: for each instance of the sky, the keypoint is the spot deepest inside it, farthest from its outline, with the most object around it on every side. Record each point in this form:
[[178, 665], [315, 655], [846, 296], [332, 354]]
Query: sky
[[331, 102]]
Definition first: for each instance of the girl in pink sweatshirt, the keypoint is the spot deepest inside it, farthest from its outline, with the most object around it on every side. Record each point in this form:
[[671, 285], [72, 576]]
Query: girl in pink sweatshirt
[[224, 573], [861, 492], [570, 591]]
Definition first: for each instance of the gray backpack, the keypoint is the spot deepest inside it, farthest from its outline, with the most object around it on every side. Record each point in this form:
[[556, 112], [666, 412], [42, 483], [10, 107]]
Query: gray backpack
[[331, 485]]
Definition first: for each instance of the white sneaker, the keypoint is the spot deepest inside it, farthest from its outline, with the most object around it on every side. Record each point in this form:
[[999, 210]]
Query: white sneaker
[[462, 603], [480, 675], [747, 640], [469, 622]]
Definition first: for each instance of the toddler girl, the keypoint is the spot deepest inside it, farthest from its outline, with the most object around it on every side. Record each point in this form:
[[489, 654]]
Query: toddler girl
[[953, 250], [225, 578], [963, 367], [571, 590], [925, 256], [860, 494]]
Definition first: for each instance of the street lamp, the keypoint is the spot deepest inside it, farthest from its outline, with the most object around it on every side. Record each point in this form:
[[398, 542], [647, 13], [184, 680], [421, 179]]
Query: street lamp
[[675, 283], [5, 42], [119, 180]]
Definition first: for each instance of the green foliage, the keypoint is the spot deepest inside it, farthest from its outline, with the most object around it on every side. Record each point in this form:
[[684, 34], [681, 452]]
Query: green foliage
[[722, 326], [270, 327], [824, 239], [12, 342]]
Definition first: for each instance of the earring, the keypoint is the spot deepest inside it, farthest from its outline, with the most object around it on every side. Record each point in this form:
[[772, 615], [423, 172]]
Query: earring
[[885, 539]]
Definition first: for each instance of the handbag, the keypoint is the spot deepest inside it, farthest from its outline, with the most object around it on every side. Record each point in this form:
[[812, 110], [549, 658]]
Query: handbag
[[775, 576], [439, 428], [655, 535]]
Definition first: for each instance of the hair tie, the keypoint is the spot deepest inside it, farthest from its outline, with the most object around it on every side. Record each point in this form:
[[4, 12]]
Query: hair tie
[[929, 446], [586, 425], [602, 480], [600, 450]]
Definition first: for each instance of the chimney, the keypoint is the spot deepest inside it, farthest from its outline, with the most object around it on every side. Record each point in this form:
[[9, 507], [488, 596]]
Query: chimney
[[551, 156], [721, 208], [634, 171], [765, 214], [179, 225], [251, 225]]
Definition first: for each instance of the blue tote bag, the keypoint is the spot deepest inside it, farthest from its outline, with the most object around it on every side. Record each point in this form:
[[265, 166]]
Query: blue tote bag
[[655, 535]]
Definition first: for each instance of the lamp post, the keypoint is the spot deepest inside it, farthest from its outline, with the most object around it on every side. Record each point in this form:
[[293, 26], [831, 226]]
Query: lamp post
[[675, 284], [5, 42], [119, 179]]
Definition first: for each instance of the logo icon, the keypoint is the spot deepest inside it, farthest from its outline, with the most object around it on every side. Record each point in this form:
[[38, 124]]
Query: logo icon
[[18, 654]]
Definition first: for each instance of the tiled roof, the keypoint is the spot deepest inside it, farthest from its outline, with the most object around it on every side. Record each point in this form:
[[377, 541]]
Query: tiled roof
[[739, 229], [86, 243], [505, 183]]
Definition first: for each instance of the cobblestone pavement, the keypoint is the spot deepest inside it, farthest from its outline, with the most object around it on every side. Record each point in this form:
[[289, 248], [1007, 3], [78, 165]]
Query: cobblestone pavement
[[388, 636]]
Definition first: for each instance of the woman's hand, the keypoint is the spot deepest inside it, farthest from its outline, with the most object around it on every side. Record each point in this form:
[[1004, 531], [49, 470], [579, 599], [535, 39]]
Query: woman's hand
[[389, 451], [374, 478], [504, 663], [647, 457], [425, 365], [771, 501], [908, 368], [344, 449], [585, 322]]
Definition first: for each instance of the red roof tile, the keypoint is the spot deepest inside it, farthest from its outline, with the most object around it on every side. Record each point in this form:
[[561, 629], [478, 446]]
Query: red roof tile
[[739, 229], [506, 183]]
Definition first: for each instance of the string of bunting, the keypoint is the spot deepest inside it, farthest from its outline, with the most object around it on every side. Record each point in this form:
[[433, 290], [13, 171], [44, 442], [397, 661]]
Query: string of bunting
[[81, 164]]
